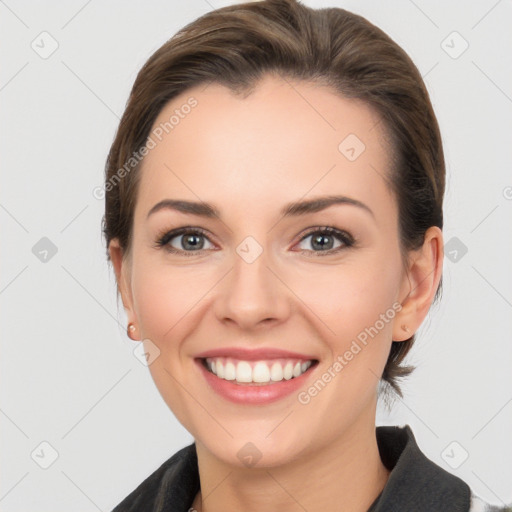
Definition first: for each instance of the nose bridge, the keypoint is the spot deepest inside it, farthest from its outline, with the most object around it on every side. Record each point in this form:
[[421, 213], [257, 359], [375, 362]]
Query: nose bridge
[[252, 293]]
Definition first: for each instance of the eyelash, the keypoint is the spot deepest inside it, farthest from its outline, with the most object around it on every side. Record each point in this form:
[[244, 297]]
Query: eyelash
[[164, 238]]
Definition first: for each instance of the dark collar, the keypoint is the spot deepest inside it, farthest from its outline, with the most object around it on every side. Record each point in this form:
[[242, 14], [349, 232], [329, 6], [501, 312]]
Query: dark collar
[[415, 482]]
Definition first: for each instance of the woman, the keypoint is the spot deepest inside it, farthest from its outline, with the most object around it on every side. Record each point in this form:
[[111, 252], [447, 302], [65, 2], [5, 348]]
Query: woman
[[274, 218]]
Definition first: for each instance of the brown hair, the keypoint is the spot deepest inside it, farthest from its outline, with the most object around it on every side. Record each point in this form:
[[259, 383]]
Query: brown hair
[[234, 46]]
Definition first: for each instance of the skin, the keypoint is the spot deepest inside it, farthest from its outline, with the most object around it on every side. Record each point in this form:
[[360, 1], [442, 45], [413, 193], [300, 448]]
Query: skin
[[249, 157]]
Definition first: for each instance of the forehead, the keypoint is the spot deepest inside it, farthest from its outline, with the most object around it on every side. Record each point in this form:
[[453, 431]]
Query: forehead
[[283, 141]]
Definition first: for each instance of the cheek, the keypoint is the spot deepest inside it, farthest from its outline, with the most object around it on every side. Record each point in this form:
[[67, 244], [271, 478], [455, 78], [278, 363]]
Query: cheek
[[352, 297], [163, 298]]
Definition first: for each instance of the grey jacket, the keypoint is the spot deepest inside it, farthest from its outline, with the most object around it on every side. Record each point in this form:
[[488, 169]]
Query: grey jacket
[[415, 484]]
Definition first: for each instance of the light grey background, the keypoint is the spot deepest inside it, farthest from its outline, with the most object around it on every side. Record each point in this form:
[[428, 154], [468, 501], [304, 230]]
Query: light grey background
[[69, 377]]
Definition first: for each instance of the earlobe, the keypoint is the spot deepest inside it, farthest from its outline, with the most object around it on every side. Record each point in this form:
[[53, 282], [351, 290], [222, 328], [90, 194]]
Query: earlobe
[[420, 284], [401, 331]]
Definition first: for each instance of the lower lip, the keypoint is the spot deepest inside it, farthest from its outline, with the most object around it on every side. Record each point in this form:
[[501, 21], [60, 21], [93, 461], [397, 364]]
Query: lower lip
[[254, 394]]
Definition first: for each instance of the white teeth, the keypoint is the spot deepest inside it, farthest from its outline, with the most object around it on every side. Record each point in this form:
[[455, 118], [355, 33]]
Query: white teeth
[[261, 372], [220, 369], [288, 371], [229, 371], [276, 372], [243, 372]]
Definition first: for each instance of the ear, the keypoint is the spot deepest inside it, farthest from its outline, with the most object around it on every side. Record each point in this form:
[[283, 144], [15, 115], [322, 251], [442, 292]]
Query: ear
[[122, 268], [419, 284]]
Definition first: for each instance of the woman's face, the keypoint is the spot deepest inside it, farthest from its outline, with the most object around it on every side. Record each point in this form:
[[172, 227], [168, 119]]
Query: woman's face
[[256, 277]]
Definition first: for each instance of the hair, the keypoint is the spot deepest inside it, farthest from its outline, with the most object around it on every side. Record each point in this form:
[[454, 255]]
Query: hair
[[235, 46]]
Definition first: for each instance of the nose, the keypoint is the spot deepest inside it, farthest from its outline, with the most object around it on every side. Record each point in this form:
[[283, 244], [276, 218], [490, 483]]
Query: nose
[[253, 294]]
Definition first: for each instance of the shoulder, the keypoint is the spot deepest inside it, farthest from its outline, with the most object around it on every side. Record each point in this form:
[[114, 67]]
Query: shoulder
[[417, 483], [177, 480], [477, 504]]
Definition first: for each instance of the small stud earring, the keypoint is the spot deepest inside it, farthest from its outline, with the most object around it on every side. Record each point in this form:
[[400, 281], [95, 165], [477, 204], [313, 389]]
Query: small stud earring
[[405, 328], [130, 329]]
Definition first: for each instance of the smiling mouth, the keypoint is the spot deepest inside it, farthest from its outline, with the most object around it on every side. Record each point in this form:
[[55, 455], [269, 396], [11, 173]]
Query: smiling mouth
[[257, 373]]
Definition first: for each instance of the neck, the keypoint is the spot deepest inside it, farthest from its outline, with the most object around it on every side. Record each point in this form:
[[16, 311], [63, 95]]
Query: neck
[[346, 474]]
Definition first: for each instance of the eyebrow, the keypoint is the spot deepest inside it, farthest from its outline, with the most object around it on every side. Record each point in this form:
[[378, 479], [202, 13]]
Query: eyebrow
[[294, 209]]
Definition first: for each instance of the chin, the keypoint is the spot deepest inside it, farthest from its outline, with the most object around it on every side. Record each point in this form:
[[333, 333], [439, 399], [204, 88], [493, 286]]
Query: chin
[[255, 451]]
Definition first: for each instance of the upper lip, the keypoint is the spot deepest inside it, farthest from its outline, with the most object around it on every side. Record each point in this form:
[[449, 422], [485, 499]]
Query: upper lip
[[254, 354]]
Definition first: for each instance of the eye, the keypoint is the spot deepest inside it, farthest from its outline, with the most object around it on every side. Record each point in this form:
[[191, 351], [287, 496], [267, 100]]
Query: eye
[[184, 241], [324, 239], [188, 241]]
